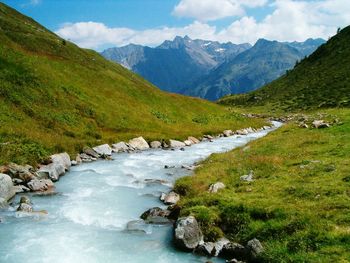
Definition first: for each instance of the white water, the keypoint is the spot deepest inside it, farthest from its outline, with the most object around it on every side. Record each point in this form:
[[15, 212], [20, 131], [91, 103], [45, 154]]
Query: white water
[[86, 221]]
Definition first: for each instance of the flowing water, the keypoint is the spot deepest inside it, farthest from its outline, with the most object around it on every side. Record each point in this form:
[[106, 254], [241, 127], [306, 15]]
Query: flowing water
[[87, 219]]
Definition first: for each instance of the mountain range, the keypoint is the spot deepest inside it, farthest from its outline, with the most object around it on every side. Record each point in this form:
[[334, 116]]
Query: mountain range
[[319, 81], [209, 69]]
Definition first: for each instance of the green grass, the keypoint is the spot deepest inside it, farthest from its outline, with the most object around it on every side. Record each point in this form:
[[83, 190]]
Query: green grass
[[321, 80], [299, 203], [55, 96]]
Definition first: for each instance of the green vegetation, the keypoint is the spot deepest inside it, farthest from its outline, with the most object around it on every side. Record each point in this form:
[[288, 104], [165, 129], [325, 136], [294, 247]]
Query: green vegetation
[[321, 80], [299, 202], [56, 97]]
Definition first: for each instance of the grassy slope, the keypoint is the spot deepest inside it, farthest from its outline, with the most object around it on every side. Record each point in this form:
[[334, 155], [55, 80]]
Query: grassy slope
[[55, 96], [299, 203], [319, 81]]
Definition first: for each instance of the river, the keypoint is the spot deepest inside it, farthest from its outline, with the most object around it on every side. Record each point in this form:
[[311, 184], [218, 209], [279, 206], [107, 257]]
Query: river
[[87, 219]]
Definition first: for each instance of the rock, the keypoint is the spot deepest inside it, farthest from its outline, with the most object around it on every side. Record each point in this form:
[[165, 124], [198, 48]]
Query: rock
[[156, 144], [162, 197], [250, 130], [318, 124], [139, 144], [17, 181], [216, 187], [266, 127], [156, 182], [241, 132], [205, 249], [303, 125], [209, 137], [156, 215], [21, 189], [189, 167], [176, 144], [172, 198], [78, 159], [233, 250], [3, 204], [86, 158], [254, 248], [40, 185], [188, 142], [193, 140], [104, 150], [120, 147], [7, 190], [51, 171], [248, 177], [218, 246], [90, 152], [227, 133], [138, 226], [234, 261], [74, 163], [61, 159], [182, 149], [25, 205], [169, 166], [187, 233], [24, 173]]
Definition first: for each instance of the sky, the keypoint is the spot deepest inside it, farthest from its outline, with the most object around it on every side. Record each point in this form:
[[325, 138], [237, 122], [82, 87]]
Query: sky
[[98, 24]]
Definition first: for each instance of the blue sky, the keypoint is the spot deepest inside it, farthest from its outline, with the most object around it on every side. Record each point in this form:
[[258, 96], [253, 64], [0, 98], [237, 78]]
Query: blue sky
[[102, 23]]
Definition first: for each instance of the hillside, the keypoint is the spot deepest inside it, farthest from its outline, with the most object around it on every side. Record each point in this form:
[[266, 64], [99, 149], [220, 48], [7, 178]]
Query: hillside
[[252, 69], [319, 81], [55, 96], [176, 64]]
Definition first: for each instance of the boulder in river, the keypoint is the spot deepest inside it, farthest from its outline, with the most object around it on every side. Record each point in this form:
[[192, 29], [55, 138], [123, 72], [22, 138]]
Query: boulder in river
[[104, 150], [214, 188], [139, 144], [40, 185], [85, 158], [61, 159], [51, 171], [156, 215], [21, 189], [171, 198], [7, 190], [25, 205], [156, 144], [227, 133], [176, 144], [22, 172], [188, 142], [194, 140], [242, 132], [91, 152], [120, 147], [187, 233]]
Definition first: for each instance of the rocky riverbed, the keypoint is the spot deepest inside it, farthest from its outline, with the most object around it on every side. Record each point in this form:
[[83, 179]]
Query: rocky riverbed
[[93, 213]]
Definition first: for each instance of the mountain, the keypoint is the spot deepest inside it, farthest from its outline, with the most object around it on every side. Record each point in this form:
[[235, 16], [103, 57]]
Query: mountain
[[252, 69], [320, 80], [174, 65], [55, 96], [307, 47]]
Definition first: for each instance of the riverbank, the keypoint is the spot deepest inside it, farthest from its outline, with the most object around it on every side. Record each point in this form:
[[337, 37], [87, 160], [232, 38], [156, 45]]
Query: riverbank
[[297, 203]]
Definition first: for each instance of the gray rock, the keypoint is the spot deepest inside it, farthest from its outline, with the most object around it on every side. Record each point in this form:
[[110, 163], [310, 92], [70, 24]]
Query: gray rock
[[40, 185], [209, 137], [21, 189], [78, 159], [25, 205], [104, 149], [254, 248], [205, 249], [189, 167], [188, 142], [176, 144], [227, 133], [318, 124], [214, 188], [51, 171], [219, 245], [242, 132], [194, 140], [172, 198], [17, 181], [7, 190], [156, 215], [22, 172], [248, 177], [120, 147], [91, 152], [156, 182], [156, 144], [138, 226], [86, 158], [74, 163], [61, 159], [139, 144], [3, 203], [187, 234]]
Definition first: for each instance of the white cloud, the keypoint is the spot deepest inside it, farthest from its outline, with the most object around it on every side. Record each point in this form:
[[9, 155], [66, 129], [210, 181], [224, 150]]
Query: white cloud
[[207, 10], [291, 20]]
